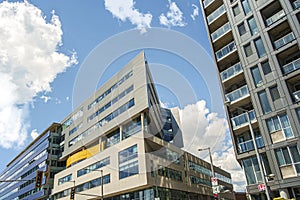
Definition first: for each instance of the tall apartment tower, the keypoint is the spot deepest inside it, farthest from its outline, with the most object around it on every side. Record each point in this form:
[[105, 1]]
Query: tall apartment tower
[[255, 46]]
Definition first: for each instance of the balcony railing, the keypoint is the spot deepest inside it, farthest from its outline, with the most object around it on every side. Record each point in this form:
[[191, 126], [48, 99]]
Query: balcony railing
[[225, 50], [217, 13], [284, 40], [231, 72], [275, 17], [241, 120], [207, 3], [237, 94], [249, 146], [296, 4], [220, 31], [292, 66], [296, 95]]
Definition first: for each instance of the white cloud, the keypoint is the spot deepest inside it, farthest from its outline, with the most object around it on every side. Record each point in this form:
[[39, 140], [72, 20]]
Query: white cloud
[[45, 98], [125, 10], [174, 16], [29, 63], [195, 12], [34, 134], [202, 129]]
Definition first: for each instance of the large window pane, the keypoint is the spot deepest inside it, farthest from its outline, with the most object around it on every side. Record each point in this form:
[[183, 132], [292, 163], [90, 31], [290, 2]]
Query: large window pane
[[256, 76], [280, 158], [248, 50], [286, 156], [274, 93], [242, 29], [259, 47], [246, 6], [252, 25], [286, 126], [295, 153], [264, 102], [266, 67]]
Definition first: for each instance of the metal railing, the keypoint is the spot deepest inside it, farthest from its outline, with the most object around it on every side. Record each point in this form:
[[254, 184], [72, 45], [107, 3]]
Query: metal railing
[[225, 50], [237, 94], [207, 3], [231, 71], [242, 119], [217, 13], [220, 31], [249, 146], [292, 66], [284, 40], [275, 17]]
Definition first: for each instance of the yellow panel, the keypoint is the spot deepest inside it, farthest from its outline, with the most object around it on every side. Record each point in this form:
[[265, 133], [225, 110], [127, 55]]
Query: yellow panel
[[84, 154]]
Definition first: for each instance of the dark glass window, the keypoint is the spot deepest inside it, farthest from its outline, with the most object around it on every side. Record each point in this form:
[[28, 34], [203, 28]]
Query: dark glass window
[[242, 29], [266, 67], [236, 10], [259, 47], [274, 93], [264, 102], [252, 26], [248, 50], [256, 76]]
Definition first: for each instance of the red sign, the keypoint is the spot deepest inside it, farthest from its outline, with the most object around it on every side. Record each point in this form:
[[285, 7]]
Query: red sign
[[261, 187], [214, 181]]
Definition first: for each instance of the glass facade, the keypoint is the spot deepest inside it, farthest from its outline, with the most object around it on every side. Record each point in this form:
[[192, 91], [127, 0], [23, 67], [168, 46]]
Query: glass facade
[[92, 167], [289, 155], [251, 169]]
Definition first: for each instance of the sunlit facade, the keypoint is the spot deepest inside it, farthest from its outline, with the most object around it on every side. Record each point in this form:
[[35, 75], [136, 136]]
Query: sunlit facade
[[255, 46]]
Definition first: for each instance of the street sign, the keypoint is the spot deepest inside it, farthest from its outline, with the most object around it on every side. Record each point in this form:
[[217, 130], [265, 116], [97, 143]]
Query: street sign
[[214, 181], [261, 187], [216, 189]]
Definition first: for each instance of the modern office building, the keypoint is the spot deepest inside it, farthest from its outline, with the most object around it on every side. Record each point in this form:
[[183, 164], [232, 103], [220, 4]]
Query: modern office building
[[121, 144], [40, 155], [255, 45]]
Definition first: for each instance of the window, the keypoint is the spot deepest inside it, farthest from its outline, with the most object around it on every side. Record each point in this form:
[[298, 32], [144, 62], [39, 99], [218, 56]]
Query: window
[[280, 122], [170, 173], [298, 113], [256, 76], [128, 162], [266, 67], [274, 93], [252, 25], [246, 6], [242, 29], [252, 171], [248, 50], [131, 128], [93, 183], [65, 179], [264, 102], [92, 167], [236, 10], [289, 156], [260, 47]]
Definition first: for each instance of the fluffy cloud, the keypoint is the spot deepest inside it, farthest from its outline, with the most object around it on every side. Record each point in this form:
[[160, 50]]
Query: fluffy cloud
[[124, 10], [29, 62], [34, 134], [174, 16], [195, 11], [202, 129]]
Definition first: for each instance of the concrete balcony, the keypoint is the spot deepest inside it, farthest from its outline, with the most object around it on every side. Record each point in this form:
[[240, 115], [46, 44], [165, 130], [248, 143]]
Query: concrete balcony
[[274, 18], [225, 51], [284, 40], [292, 66], [231, 72], [238, 94], [249, 146], [216, 14], [241, 120], [220, 32]]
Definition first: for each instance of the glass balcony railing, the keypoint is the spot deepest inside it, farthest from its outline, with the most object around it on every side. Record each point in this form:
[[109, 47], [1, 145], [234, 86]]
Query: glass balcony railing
[[241, 120], [220, 31], [249, 146], [292, 66], [237, 94], [217, 13], [207, 3], [225, 50], [296, 95], [231, 71], [275, 17], [284, 40], [296, 4]]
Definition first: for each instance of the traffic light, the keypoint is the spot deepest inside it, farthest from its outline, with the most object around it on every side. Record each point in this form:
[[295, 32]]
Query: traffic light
[[72, 193], [38, 179]]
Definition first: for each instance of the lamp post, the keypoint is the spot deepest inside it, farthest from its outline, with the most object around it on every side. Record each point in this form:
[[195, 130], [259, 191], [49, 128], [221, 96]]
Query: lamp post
[[227, 103]]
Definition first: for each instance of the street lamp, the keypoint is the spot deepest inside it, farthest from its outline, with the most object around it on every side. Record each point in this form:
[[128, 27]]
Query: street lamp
[[211, 162], [227, 103], [101, 171]]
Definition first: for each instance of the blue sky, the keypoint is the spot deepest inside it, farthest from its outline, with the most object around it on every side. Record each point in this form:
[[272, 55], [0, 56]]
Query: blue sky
[[46, 54]]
